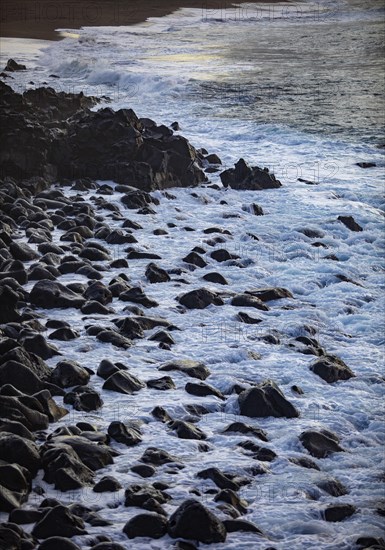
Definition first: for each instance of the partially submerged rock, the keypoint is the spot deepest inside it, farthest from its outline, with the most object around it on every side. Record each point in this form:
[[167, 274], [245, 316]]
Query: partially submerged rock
[[266, 399], [245, 177]]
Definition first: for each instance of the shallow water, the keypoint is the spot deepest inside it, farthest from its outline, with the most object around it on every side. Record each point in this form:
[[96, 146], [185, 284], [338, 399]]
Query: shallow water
[[299, 91]]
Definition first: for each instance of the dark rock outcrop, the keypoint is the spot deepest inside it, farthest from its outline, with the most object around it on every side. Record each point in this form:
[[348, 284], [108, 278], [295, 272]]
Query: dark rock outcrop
[[266, 399], [195, 369], [50, 294], [339, 512], [153, 526], [320, 443], [245, 177], [331, 369], [61, 138], [350, 223], [59, 521], [195, 522], [200, 299]]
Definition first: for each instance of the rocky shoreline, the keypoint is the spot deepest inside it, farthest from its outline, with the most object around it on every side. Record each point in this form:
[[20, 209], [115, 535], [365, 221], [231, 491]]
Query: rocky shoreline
[[50, 233]]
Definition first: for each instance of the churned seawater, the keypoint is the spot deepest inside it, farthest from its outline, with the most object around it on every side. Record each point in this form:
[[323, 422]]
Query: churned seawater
[[297, 88]]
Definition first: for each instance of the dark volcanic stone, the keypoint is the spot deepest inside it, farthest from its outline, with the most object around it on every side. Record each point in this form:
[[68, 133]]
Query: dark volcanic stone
[[164, 337], [12, 66], [185, 430], [223, 255], [137, 296], [162, 384], [268, 294], [123, 382], [38, 345], [200, 299], [230, 497], [98, 292], [246, 300], [305, 462], [22, 252], [157, 457], [93, 454], [245, 177], [58, 543], [264, 400], [156, 274], [333, 487], [13, 409], [83, 398], [195, 369], [153, 526], [258, 453], [14, 486], [107, 368], [143, 470], [240, 427], [21, 517], [221, 480], [215, 278], [108, 546], [64, 334], [114, 338], [127, 434], [194, 259], [366, 164], [245, 318], [331, 369], [234, 525], [339, 512], [69, 373], [50, 294], [16, 449], [9, 299], [202, 390], [58, 521], [350, 223], [320, 443], [107, 484], [195, 522], [145, 496]]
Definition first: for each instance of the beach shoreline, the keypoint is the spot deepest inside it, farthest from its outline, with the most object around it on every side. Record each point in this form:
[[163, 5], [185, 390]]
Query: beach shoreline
[[40, 19]]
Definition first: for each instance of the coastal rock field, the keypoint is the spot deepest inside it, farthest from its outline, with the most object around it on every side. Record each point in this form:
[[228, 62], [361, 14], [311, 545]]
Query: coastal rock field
[[183, 361]]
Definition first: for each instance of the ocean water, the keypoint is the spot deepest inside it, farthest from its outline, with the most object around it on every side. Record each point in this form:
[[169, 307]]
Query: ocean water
[[297, 88]]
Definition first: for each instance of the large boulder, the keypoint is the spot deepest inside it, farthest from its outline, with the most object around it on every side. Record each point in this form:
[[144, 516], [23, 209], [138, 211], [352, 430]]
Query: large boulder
[[58, 521], [331, 369], [92, 454], [9, 299], [14, 486], [195, 522], [264, 400], [200, 299], [17, 450], [195, 369], [320, 443], [13, 409], [245, 177], [123, 382], [50, 294], [69, 373], [153, 526]]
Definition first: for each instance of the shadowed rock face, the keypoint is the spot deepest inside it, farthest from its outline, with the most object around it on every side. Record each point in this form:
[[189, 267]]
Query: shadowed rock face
[[244, 176], [266, 399], [54, 135], [193, 521]]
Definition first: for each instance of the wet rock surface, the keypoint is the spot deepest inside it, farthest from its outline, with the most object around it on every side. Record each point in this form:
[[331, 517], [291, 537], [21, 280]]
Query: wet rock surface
[[110, 327]]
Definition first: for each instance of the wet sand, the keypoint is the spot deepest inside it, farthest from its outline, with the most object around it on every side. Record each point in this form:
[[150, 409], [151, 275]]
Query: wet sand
[[40, 18]]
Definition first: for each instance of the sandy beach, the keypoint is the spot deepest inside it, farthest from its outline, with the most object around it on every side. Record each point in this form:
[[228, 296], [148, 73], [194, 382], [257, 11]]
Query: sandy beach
[[40, 19]]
